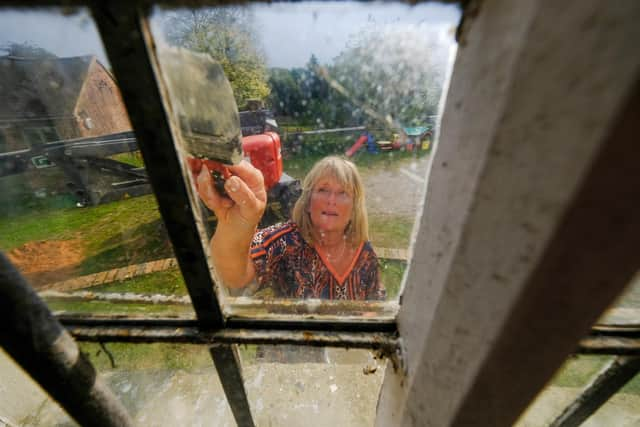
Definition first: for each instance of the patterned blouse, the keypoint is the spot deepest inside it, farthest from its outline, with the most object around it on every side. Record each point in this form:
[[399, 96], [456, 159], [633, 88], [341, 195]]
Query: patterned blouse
[[284, 261]]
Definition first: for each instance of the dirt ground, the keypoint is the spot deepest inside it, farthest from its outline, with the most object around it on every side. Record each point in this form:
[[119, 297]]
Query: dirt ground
[[48, 261]]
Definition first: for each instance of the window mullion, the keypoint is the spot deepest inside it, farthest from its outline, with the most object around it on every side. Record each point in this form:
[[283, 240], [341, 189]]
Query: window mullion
[[124, 31]]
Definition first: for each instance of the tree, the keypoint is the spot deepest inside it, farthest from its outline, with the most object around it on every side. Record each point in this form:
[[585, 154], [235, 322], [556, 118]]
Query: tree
[[384, 77], [286, 94], [26, 50], [393, 76], [224, 33], [303, 93]]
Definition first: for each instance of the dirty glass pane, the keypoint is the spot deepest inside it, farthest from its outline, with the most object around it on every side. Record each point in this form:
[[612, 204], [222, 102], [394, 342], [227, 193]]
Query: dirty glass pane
[[568, 383], [77, 216], [579, 370], [621, 410], [307, 80], [315, 387], [159, 385], [21, 398]]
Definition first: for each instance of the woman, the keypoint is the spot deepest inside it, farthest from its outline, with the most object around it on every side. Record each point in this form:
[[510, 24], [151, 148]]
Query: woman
[[322, 252]]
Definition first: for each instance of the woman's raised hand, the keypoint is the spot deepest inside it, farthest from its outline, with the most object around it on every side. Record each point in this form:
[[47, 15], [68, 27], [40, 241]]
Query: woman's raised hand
[[247, 196]]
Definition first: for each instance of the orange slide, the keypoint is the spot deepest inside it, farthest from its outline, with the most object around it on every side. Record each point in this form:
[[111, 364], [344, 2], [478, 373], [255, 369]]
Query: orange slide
[[355, 147]]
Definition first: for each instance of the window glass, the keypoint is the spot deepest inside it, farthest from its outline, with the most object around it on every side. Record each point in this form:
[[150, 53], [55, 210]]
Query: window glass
[[579, 370], [158, 384], [621, 409], [312, 386], [568, 383], [77, 215], [306, 81], [21, 398]]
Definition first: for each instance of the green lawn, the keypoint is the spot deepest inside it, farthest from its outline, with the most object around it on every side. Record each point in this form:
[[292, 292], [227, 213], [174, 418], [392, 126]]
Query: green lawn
[[579, 371], [391, 273], [168, 282], [133, 158], [390, 231], [147, 356], [112, 235], [298, 166], [107, 307]]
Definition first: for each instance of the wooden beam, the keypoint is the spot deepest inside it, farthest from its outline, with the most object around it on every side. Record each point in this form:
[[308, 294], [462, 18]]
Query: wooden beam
[[530, 226]]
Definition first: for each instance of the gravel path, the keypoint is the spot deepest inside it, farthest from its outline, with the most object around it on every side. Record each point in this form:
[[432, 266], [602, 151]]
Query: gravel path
[[397, 188]]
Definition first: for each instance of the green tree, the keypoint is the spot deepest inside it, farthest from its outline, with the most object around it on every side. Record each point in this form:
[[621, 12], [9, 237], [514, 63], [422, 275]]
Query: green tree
[[391, 76], [286, 97], [26, 50], [305, 95], [226, 34]]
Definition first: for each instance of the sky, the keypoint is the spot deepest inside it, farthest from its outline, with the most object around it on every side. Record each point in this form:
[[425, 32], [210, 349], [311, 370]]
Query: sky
[[288, 32]]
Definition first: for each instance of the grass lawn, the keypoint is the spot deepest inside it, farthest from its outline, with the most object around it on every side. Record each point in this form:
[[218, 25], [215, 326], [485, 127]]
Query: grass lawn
[[107, 307], [390, 232], [391, 273], [298, 166], [168, 282], [134, 158], [112, 235], [148, 356], [578, 371]]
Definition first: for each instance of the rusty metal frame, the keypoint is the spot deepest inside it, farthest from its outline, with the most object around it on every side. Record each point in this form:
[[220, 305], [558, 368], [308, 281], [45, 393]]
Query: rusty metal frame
[[384, 342], [275, 322], [185, 331], [123, 28]]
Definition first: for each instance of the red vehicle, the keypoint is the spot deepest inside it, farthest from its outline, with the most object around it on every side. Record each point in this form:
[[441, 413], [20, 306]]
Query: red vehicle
[[261, 144]]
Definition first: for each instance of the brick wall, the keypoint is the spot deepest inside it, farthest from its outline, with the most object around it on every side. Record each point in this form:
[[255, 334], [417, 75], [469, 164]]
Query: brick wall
[[100, 109]]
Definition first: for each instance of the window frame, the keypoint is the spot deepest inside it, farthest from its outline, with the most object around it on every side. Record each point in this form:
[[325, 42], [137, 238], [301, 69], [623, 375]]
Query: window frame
[[126, 34]]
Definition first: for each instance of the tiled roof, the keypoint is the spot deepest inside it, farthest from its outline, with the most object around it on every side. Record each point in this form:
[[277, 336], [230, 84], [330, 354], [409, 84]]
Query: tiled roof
[[47, 87]]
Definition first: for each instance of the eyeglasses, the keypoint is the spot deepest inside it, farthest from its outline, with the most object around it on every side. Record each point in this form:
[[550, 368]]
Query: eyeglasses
[[340, 196]]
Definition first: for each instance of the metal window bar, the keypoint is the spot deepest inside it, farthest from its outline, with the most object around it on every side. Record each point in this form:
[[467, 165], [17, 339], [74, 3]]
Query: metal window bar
[[40, 344], [227, 359], [125, 33], [611, 378]]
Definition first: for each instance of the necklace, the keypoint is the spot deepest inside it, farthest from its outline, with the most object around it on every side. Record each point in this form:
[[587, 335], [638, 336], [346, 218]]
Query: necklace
[[334, 257]]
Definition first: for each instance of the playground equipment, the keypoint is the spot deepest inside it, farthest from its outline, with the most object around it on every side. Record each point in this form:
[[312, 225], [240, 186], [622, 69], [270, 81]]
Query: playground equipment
[[367, 138], [418, 137], [415, 138]]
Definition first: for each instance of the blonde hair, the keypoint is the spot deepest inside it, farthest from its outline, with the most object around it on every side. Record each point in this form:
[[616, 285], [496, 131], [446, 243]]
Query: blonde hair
[[347, 175]]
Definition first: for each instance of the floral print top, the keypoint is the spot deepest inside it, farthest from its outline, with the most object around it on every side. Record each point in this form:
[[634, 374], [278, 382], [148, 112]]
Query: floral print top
[[285, 262]]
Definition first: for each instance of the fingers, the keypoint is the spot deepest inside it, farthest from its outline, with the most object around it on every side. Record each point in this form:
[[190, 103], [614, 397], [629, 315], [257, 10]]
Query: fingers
[[252, 177], [195, 165], [207, 192], [250, 206], [246, 195]]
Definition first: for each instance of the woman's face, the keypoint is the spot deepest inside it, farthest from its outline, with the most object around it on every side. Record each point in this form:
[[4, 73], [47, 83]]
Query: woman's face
[[330, 206]]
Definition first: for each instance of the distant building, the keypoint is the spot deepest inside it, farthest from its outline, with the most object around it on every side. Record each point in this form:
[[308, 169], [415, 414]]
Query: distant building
[[51, 99]]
